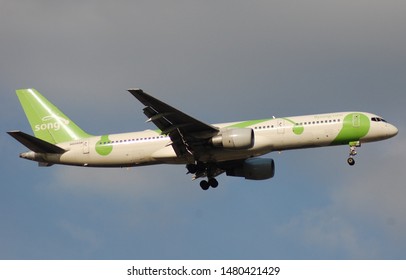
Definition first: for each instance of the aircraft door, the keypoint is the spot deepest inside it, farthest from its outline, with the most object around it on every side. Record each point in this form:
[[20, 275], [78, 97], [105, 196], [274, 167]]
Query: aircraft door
[[356, 120], [280, 126], [86, 149]]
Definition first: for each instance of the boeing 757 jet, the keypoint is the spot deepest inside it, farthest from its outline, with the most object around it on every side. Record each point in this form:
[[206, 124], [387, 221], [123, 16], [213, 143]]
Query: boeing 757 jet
[[207, 150]]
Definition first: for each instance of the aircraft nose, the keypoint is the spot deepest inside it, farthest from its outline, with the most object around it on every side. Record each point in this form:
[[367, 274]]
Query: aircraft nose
[[392, 130]]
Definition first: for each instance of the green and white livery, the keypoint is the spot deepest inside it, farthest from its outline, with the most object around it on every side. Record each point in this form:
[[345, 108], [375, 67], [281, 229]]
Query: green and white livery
[[206, 150]]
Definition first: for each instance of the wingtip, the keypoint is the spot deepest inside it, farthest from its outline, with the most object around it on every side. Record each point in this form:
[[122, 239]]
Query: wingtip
[[11, 132], [135, 90]]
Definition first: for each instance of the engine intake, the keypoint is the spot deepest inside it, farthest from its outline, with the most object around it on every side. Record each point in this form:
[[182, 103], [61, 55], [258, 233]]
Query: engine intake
[[254, 169], [235, 138]]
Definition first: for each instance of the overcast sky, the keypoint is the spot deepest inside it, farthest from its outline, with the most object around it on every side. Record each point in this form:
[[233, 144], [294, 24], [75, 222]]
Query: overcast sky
[[218, 61]]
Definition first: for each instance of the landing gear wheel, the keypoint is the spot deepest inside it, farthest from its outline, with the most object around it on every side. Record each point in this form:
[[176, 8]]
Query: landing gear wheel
[[351, 161], [204, 185], [213, 183], [191, 168]]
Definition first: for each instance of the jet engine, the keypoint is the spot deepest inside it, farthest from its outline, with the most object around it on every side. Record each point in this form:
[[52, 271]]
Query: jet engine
[[235, 138], [254, 169]]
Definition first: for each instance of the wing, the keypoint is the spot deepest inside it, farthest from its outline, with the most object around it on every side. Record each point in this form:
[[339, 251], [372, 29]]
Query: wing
[[188, 135]]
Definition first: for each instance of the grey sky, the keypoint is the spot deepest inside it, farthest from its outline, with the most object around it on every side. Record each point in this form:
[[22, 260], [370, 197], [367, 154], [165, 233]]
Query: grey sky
[[218, 61]]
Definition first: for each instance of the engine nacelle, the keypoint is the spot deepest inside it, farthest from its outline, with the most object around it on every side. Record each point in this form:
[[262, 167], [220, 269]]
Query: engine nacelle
[[254, 169], [235, 138]]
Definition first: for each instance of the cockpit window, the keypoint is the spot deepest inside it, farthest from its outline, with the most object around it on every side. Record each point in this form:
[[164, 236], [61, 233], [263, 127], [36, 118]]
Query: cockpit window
[[376, 119]]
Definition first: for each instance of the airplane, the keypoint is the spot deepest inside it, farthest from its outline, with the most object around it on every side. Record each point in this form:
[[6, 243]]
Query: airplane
[[207, 150]]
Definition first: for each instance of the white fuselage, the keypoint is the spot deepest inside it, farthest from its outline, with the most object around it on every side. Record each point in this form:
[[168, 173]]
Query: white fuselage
[[150, 147]]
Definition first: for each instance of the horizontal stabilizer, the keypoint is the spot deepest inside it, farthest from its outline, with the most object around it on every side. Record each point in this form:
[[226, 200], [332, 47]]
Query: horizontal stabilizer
[[35, 144]]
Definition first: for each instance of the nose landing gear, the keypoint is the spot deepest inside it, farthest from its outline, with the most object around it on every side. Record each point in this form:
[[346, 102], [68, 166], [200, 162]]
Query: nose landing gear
[[353, 152]]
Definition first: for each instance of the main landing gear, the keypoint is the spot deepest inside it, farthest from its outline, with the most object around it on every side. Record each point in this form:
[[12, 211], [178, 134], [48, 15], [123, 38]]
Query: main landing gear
[[353, 152], [202, 168]]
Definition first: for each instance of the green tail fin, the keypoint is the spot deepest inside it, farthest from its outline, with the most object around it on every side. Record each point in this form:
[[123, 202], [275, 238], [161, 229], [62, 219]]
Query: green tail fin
[[47, 121]]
